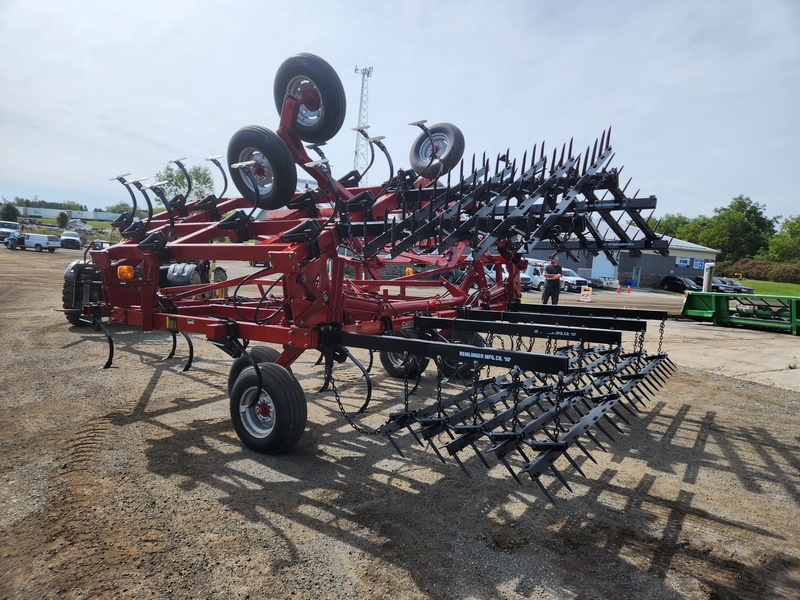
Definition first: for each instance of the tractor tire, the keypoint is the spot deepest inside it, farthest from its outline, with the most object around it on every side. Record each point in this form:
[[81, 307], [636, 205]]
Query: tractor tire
[[464, 370], [273, 422], [393, 362], [218, 275], [310, 79], [274, 170], [67, 295], [449, 144], [261, 354]]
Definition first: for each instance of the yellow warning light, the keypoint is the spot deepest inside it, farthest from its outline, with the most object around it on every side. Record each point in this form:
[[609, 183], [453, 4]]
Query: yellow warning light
[[125, 272]]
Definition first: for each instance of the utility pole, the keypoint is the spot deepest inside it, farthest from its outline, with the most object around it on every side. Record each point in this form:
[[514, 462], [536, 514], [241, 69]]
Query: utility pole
[[362, 147]]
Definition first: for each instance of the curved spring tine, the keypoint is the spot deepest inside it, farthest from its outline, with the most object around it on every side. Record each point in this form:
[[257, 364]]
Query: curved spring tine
[[97, 325], [191, 352], [174, 346], [366, 377]]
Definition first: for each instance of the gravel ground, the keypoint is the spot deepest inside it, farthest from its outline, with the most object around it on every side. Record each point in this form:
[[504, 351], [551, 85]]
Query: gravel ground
[[130, 482]]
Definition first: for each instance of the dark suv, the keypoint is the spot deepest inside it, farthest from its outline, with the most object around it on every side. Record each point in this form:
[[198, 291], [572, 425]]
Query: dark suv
[[717, 285], [673, 283], [737, 287]]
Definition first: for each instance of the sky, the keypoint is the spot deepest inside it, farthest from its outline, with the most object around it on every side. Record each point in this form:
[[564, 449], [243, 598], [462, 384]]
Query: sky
[[703, 97]]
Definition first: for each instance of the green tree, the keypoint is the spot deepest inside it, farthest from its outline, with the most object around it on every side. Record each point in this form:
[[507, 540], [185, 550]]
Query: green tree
[[739, 230], [62, 219], [175, 182], [668, 224], [784, 246], [120, 207], [9, 212]]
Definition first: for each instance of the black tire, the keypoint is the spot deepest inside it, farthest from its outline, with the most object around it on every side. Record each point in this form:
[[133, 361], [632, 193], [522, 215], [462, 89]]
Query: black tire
[[261, 354], [67, 297], [274, 170], [449, 143], [51, 250], [664, 287], [461, 369], [309, 78], [394, 363], [218, 275], [38, 247], [541, 286], [274, 422]]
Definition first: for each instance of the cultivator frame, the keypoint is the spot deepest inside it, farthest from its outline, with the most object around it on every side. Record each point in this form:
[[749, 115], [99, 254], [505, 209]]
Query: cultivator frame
[[455, 219]]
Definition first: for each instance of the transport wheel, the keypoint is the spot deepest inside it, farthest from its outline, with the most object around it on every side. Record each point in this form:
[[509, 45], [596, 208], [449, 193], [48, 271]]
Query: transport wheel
[[274, 170], [67, 296], [394, 362], [261, 354], [310, 79], [218, 275], [273, 421], [461, 369], [448, 141]]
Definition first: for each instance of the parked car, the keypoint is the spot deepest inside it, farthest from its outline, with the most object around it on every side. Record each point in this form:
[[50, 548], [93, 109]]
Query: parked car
[[6, 227], [524, 279], [79, 226], [571, 281], [71, 239], [673, 283], [739, 288], [36, 241], [717, 285]]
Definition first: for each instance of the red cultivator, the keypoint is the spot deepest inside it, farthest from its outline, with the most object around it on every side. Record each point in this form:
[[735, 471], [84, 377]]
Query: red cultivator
[[455, 220]]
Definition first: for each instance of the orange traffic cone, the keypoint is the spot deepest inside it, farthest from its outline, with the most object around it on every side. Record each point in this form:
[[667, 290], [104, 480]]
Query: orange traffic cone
[[628, 291], [618, 289]]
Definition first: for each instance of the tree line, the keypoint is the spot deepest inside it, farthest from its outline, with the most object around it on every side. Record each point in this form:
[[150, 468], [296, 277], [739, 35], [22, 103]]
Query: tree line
[[749, 243]]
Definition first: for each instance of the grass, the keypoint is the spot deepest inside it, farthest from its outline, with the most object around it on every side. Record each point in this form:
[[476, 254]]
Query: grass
[[772, 288]]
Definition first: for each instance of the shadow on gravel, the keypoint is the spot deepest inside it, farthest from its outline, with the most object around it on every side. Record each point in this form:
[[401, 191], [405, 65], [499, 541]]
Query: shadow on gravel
[[355, 489]]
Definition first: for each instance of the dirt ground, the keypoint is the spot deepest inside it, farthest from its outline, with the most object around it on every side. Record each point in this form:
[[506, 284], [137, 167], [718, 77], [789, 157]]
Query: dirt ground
[[130, 482]]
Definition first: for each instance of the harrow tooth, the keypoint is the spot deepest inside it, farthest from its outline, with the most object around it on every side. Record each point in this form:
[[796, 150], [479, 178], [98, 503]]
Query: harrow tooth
[[614, 425], [603, 141], [563, 481], [608, 140], [510, 470], [620, 416], [480, 455], [569, 152], [584, 450], [594, 153], [574, 465], [461, 464], [436, 450], [396, 447], [535, 479], [604, 432], [414, 435]]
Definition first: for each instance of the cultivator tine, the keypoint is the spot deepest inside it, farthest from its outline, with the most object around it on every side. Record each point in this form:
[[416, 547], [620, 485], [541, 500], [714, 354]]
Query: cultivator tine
[[174, 346], [188, 364]]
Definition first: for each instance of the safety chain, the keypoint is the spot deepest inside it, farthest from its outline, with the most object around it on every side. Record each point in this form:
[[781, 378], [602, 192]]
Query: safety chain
[[515, 387], [559, 400], [476, 375], [348, 418], [638, 342], [548, 349]]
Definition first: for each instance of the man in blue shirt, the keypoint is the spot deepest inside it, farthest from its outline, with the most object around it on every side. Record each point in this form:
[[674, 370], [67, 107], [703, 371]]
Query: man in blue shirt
[[552, 286]]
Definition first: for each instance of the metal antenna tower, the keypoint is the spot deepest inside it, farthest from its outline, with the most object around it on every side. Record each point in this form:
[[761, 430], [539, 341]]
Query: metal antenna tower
[[362, 153]]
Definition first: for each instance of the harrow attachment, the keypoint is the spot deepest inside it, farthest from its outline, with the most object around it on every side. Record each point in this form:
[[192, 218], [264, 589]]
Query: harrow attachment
[[332, 279]]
